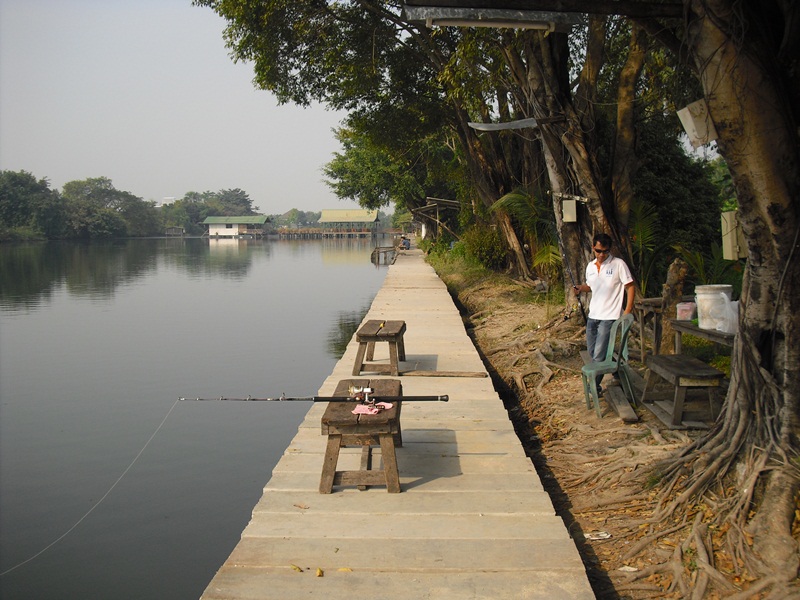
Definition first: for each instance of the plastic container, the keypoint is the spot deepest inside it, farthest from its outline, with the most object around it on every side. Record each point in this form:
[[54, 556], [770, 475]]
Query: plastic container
[[713, 306], [685, 310]]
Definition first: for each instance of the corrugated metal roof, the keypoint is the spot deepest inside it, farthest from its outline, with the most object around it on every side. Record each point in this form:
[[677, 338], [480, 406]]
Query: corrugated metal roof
[[346, 215], [252, 220]]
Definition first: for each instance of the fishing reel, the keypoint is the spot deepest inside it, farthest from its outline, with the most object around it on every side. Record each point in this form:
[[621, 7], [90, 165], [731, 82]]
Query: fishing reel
[[361, 394]]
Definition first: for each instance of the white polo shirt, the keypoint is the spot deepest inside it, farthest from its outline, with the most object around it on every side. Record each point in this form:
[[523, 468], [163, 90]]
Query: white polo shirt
[[608, 288]]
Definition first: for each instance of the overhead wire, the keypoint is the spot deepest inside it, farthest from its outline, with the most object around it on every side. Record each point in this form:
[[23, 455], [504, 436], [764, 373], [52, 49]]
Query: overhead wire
[[96, 504]]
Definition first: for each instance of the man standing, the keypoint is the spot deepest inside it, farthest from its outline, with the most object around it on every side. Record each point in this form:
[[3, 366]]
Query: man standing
[[611, 283]]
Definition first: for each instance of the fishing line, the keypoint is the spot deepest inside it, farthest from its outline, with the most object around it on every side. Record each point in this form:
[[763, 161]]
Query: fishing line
[[96, 504]]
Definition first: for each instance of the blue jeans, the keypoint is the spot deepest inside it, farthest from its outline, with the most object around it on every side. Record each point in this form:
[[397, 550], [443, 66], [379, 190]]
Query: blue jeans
[[597, 335]]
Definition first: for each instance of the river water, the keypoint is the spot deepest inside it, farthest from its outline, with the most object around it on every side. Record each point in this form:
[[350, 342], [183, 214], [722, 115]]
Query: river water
[[97, 343]]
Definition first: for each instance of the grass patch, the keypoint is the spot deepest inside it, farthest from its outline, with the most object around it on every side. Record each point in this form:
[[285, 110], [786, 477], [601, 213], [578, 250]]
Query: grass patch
[[459, 270]]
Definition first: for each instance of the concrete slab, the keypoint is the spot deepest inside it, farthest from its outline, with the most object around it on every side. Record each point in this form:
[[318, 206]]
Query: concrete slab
[[444, 483], [419, 502], [250, 583], [444, 555], [429, 461], [423, 527]]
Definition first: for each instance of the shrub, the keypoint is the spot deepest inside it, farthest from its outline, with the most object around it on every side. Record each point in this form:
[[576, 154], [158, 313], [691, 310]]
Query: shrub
[[486, 245]]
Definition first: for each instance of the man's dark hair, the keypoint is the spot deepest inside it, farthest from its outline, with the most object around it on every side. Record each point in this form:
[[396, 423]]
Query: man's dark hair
[[604, 239]]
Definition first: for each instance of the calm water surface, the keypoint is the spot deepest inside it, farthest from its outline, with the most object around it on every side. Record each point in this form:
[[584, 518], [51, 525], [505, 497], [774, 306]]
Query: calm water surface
[[97, 341]]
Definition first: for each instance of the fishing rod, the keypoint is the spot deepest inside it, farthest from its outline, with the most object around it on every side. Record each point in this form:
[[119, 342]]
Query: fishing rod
[[365, 399]]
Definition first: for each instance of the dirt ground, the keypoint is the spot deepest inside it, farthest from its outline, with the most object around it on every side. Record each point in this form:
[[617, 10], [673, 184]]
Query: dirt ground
[[592, 466]]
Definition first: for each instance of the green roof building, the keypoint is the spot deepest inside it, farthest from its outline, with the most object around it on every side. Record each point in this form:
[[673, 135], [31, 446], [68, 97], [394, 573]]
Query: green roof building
[[230, 227]]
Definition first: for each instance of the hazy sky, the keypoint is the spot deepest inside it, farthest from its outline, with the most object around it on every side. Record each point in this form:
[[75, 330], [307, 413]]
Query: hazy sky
[[143, 92]]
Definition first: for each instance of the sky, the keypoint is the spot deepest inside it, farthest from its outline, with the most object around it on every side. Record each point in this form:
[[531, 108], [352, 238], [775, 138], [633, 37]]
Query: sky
[[143, 92]]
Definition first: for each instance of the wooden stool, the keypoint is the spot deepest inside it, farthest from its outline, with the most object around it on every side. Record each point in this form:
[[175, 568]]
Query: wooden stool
[[380, 331], [683, 372], [343, 428]]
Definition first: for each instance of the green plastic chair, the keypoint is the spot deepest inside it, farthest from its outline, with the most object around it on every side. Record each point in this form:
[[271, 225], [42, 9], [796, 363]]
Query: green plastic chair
[[616, 361]]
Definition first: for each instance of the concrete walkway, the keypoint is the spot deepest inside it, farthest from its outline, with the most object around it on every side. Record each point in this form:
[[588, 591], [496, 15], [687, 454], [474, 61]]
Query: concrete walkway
[[472, 521]]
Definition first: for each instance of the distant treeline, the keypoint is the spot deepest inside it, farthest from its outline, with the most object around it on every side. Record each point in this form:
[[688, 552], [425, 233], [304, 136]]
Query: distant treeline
[[94, 209]]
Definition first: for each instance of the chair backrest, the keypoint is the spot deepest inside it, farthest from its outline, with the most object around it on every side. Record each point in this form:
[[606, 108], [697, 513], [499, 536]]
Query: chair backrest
[[618, 344]]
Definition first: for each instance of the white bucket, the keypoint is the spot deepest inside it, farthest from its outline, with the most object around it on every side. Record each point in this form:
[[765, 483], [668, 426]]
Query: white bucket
[[685, 311], [713, 305]]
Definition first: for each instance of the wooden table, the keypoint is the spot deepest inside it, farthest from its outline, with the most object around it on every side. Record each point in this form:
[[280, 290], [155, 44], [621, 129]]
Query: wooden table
[[649, 309], [343, 428], [681, 327], [683, 372], [380, 331]]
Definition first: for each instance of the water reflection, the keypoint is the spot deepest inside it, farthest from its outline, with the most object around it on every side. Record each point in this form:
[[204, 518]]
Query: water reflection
[[30, 274], [343, 329], [97, 342]]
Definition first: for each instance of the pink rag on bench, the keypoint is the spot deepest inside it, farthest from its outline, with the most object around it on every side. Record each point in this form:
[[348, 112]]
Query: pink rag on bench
[[365, 409]]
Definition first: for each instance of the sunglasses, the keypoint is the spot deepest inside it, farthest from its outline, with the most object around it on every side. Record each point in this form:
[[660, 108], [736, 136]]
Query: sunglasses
[[601, 251]]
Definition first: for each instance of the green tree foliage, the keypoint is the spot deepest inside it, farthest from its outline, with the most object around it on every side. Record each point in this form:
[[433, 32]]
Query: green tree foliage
[[85, 209], [368, 174], [190, 211], [721, 177], [535, 217], [234, 203], [28, 207], [96, 209], [486, 245], [93, 208], [378, 174], [401, 218], [676, 201], [295, 218]]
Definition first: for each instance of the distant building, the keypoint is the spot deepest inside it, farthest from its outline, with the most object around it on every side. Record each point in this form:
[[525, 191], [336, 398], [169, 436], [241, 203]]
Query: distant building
[[229, 227], [174, 232], [345, 219]]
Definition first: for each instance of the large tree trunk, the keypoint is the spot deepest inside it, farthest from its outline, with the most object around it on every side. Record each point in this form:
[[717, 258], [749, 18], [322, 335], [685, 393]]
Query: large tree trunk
[[625, 163], [541, 72], [491, 177], [756, 124]]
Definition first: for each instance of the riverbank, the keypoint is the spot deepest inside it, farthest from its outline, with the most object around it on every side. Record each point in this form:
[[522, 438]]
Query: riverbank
[[595, 469]]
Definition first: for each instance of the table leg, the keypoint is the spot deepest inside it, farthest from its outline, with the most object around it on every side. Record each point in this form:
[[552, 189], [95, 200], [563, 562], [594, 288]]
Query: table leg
[[642, 336], [712, 396], [677, 407], [366, 462], [649, 384], [362, 349], [393, 359], [390, 463], [329, 464]]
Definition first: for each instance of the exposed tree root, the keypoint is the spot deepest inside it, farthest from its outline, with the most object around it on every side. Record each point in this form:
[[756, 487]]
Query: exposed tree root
[[680, 507]]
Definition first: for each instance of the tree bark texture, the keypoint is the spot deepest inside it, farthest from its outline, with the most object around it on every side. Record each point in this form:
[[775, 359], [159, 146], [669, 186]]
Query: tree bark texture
[[748, 101], [624, 165], [671, 294]]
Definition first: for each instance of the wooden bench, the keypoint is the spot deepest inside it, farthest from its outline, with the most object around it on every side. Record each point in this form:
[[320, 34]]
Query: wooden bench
[[683, 372], [380, 331], [343, 428]]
